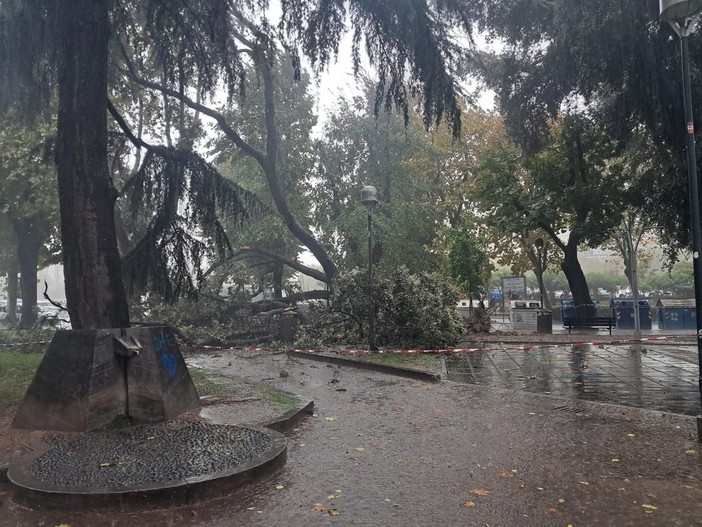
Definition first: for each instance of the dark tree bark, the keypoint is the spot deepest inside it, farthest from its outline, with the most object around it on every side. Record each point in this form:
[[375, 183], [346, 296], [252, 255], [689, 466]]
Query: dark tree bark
[[576, 280], [29, 234], [94, 288]]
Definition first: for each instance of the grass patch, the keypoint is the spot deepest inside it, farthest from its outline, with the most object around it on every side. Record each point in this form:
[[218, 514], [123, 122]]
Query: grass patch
[[282, 399], [428, 362], [208, 383], [17, 369]]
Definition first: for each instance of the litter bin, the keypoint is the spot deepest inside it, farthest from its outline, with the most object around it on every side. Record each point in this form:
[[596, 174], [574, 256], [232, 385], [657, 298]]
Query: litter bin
[[676, 313], [568, 309], [623, 311], [523, 319], [544, 321]]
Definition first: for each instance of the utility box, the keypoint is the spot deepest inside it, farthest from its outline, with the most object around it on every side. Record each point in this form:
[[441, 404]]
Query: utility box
[[288, 327]]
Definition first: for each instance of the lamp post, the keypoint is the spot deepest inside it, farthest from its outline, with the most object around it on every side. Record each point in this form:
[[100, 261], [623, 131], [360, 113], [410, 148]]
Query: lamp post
[[539, 244], [634, 284], [369, 197], [683, 15]]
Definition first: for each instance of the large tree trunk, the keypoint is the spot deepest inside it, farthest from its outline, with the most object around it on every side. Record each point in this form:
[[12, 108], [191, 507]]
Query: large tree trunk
[[576, 280], [94, 288], [29, 235]]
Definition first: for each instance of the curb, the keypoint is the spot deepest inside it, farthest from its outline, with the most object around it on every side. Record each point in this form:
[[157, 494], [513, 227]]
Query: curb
[[286, 422], [411, 373]]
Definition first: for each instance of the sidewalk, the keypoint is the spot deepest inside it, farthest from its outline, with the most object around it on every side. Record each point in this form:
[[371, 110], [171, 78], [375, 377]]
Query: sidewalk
[[653, 374], [389, 451]]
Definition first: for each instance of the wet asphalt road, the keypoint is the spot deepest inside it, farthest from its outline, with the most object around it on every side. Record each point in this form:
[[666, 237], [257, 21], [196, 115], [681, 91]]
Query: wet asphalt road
[[387, 451]]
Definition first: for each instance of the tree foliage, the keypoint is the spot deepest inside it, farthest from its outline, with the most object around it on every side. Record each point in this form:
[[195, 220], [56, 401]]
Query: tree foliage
[[358, 149], [185, 199], [571, 191], [410, 310], [469, 264], [613, 61], [28, 199]]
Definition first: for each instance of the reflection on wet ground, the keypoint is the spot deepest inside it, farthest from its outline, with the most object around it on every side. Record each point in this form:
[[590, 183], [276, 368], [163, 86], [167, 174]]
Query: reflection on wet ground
[[653, 377]]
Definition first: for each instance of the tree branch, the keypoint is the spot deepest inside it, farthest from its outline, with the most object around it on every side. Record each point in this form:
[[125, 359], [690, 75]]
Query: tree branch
[[206, 110], [293, 264]]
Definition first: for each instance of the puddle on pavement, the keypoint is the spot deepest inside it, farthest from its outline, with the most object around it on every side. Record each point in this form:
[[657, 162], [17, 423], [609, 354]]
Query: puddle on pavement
[[655, 378]]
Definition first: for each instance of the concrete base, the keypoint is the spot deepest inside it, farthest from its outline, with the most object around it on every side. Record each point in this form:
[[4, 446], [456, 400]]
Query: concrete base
[[92, 379]]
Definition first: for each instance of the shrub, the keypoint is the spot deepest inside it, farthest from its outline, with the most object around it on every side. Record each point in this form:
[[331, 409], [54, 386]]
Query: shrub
[[411, 310]]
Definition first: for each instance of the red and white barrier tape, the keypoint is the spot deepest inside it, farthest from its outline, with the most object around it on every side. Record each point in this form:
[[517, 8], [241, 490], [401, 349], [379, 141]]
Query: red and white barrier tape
[[525, 347]]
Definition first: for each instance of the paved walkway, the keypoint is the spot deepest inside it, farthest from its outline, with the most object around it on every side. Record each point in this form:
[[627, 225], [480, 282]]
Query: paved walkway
[[657, 377], [388, 451]]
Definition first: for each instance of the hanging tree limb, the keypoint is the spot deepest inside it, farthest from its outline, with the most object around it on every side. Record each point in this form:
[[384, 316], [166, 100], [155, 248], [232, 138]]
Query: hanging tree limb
[[267, 160]]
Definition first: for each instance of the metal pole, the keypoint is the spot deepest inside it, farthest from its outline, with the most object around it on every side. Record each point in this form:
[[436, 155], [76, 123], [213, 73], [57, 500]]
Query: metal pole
[[694, 209], [371, 322], [634, 285]]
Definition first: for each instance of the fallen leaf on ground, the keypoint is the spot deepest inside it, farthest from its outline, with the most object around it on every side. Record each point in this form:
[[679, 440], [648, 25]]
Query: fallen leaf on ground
[[561, 500], [110, 464], [279, 487], [469, 504], [649, 507], [615, 460], [480, 492], [360, 448], [319, 507], [691, 452], [331, 418], [504, 474], [552, 510], [334, 512]]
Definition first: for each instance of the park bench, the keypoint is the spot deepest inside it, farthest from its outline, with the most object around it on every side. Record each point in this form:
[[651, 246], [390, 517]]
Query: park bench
[[589, 322]]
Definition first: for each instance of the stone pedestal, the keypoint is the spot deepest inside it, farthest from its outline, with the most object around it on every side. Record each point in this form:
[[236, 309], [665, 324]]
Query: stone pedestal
[[92, 379]]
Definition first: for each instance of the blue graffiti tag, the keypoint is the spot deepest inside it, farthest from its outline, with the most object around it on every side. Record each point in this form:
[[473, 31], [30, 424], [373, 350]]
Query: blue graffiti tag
[[164, 340], [169, 362], [162, 343]]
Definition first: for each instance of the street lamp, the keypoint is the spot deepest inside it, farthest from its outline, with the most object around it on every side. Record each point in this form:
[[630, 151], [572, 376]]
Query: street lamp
[[683, 15], [539, 244], [369, 197]]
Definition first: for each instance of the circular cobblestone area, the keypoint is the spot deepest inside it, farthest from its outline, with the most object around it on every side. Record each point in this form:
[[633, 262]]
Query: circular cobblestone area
[[147, 455]]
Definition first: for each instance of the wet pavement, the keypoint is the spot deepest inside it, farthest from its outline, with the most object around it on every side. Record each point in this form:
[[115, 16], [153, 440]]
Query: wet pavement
[[388, 451], [656, 377]]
